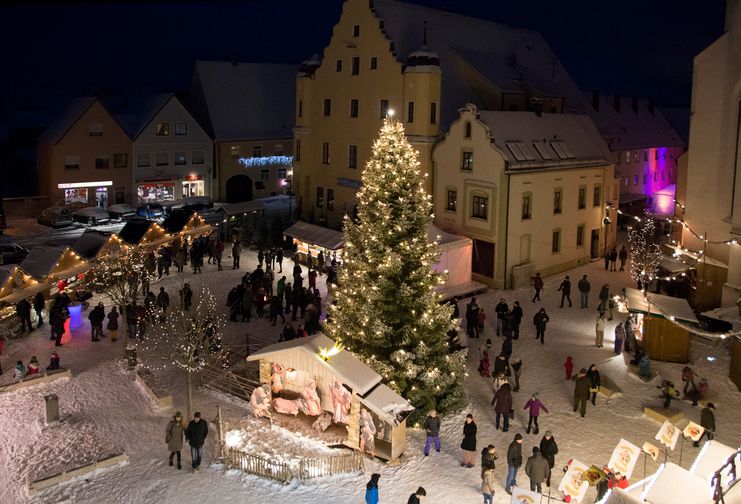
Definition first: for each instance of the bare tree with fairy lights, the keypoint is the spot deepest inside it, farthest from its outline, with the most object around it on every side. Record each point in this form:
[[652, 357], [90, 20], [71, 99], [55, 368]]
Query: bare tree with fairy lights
[[387, 310], [645, 250], [189, 340]]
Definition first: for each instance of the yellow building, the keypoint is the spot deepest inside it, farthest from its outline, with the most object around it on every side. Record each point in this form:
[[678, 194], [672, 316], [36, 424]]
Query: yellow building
[[531, 190], [422, 63]]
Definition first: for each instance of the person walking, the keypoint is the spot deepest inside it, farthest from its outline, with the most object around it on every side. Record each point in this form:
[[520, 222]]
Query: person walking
[[568, 367], [371, 489], [537, 285], [468, 445], [162, 303], [707, 421], [236, 253], [535, 406], [549, 449], [565, 289], [196, 435], [514, 461], [96, 317], [623, 255], [488, 458], [540, 320], [613, 259], [516, 365], [487, 485], [594, 382], [604, 296], [113, 324], [600, 330], [502, 402], [187, 297], [537, 470], [584, 288], [619, 338], [432, 426], [38, 306], [23, 310], [516, 316], [481, 320], [174, 437], [501, 310], [581, 391], [472, 319]]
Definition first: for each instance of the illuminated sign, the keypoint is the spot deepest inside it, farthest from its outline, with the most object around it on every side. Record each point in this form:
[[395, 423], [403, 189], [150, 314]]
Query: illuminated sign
[[265, 161], [75, 185]]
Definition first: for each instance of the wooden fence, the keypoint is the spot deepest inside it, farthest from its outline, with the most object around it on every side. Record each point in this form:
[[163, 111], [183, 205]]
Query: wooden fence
[[307, 468]]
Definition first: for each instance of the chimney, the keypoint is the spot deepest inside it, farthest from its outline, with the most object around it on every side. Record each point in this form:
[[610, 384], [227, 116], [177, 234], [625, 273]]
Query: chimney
[[616, 102], [651, 105], [595, 99], [634, 104]]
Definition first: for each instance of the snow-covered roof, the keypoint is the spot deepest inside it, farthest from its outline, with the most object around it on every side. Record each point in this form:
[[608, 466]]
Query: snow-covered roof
[[316, 235], [665, 306], [349, 369], [90, 242], [711, 458], [6, 273], [631, 129], [673, 484], [66, 119], [387, 404], [42, 259], [246, 101], [527, 140], [478, 57]]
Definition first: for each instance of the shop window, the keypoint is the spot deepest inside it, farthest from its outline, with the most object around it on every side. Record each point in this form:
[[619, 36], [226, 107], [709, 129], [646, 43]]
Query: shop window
[[101, 163], [162, 129], [265, 174], [162, 158], [527, 205], [384, 108], [410, 112], [197, 157], [180, 158], [452, 200], [95, 130], [467, 161], [327, 107], [234, 151], [338, 65], [120, 160], [320, 197], [557, 201], [330, 199], [193, 186], [582, 203], [77, 195], [556, 241], [433, 113], [181, 128], [580, 235], [352, 156], [143, 159], [72, 163], [373, 63], [480, 208], [325, 152], [354, 107], [597, 200], [355, 65], [257, 151], [150, 193]]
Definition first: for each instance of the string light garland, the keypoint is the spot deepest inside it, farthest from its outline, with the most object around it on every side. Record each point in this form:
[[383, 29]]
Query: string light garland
[[645, 253]]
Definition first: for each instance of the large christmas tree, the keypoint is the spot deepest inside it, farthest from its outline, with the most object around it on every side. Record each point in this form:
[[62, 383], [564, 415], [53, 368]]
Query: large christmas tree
[[645, 252], [386, 308]]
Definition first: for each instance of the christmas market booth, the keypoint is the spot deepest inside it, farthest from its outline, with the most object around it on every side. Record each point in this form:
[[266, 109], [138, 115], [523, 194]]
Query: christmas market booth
[[311, 239], [335, 392], [16, 284], [144, 233], [186, 223], [51, 264], [94, 244], [662, 324]]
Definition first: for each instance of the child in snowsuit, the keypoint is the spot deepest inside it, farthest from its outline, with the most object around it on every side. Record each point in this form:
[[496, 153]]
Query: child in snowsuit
[[668, 392], [569, 367]]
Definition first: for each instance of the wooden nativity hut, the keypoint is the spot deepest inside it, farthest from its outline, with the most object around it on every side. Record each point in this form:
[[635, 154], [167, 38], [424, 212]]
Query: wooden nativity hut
[[662, 324], [302, 361]]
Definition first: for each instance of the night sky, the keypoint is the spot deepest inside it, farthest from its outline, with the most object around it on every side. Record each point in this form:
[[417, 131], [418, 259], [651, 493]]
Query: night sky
[[53, 52]]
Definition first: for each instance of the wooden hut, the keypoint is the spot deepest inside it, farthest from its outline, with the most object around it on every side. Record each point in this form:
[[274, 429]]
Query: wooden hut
[[186, 223], [303, 360], [50, 263], [657, 325], [144, 233], [310, 239], [93, 244]]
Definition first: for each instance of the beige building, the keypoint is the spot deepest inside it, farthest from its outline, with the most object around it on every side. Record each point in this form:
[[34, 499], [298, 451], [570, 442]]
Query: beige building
[[422, 63], [713, 204], [249, 112], [84, 157], [532, 191]]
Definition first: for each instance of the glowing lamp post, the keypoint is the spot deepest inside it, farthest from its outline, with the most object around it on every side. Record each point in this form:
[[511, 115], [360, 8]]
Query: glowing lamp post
[[287, 182]]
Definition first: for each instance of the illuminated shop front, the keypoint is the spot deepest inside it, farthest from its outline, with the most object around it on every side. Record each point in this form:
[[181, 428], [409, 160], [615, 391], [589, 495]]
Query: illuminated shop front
[[81, 192], [155, 191], [193, 185]]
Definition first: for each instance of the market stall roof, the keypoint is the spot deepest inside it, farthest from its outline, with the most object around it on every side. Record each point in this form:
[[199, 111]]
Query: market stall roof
[[316, 235], [92, 242], [25, 293], [712, 456], [6, 275], [142, 231], [186, 222], [43, 259], [348, 368], [673, 484], [671, 265], [698, 258], [664, 306]]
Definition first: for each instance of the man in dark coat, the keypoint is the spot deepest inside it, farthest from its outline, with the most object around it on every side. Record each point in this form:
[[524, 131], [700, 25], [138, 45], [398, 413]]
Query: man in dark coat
[[432, 426], [23, 309], [581, 391], [96, 317], [565, 289], [501, 310], [38, 305], [502, 402], [500, 364], [604, 296], [163, 302], [623, 255], [707, 421], [537, 470], [540, 320], [196, 435], [514, 461], [549, 449], [488, 458], [584, 288], [516, 315]]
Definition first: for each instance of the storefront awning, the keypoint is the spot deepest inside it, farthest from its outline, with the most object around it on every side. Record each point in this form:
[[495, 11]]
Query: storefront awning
[[659, 305], [315, 235]]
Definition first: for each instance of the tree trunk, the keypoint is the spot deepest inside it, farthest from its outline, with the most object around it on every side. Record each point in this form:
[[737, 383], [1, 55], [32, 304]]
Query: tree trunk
[[189, 386]]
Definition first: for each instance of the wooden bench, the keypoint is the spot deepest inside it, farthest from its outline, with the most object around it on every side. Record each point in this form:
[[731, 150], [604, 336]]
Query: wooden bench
[[29, 381], [661, 415]]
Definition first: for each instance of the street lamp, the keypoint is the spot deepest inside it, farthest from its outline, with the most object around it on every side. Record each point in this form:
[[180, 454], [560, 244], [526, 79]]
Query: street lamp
[[287, 182], [606, 221]]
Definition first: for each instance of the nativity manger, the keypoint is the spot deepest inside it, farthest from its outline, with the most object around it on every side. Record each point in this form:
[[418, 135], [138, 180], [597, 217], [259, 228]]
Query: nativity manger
[[313, 378]]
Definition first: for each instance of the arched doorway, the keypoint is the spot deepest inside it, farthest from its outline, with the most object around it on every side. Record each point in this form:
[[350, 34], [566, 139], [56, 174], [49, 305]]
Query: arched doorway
[[238, 189]]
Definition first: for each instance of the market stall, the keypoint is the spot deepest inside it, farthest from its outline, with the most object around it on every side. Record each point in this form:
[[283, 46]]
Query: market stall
[[93, 244], [311, 239], [144, 233], [16, 284], [349, 394], [662, 324]]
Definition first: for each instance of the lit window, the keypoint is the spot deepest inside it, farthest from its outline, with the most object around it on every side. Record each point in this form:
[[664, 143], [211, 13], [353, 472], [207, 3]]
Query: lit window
[[234, 151], [480, 208], [467, 161], [452, 200], [181, 158], [162, 129]]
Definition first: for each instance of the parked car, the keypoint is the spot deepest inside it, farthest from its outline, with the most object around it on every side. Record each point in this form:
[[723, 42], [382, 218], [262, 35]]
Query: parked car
[[91, 216], [150, 211], [55, 217], [122, 211], [12, 253]]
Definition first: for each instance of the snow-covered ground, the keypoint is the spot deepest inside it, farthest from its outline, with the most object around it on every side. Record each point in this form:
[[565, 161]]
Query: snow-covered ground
[[104, 411]]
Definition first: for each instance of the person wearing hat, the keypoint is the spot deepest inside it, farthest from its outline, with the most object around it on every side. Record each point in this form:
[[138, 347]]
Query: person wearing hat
[[581, 391], [371, 489], [514, 461], [174, 436], [707, 421], [549, 449], [96, 317], [537, 470], [196, 435]]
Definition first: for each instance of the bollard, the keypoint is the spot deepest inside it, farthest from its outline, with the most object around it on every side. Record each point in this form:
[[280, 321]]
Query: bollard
[[131, 357], [52, 408]]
